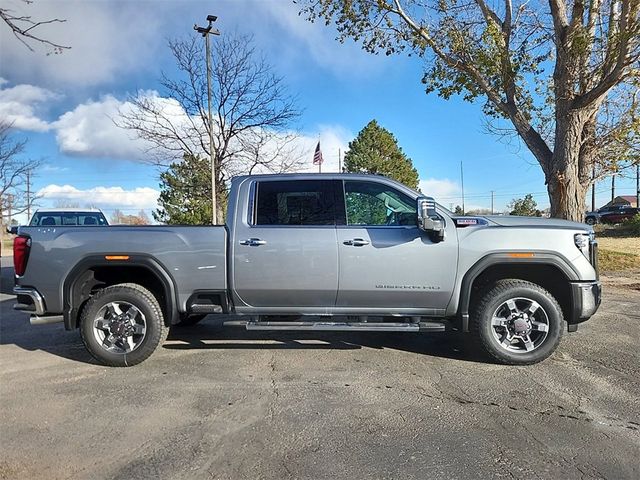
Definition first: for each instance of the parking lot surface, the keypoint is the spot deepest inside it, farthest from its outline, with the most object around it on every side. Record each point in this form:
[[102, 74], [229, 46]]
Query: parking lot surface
[[227, 403]]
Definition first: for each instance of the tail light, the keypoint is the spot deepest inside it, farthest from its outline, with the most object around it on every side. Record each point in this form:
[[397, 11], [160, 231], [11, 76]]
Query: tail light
[[21, 247]]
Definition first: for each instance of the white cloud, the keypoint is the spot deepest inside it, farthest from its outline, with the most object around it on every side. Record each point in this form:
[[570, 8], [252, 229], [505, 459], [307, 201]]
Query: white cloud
[[332, 138], [442, 190], [104, 197], [18, 105], [107, 40], [89, 130], [308, 40]]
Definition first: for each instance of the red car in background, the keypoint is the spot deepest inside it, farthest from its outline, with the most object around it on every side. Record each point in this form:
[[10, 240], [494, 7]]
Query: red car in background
[[619, 215]]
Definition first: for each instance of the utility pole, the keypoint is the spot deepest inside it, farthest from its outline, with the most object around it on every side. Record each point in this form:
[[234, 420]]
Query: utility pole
[[10, 208], [339, 161], [205, 32], [28, 195], [593, 189], [462, 183], [638, 185], [613, 187], [491, 202]]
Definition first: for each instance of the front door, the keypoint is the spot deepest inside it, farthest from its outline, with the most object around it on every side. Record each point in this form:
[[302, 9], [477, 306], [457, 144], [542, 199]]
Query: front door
[[386, 261], [285, 255]]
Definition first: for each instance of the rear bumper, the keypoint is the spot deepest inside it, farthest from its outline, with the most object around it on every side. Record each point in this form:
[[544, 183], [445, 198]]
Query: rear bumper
[[586, 297], [29, 300]]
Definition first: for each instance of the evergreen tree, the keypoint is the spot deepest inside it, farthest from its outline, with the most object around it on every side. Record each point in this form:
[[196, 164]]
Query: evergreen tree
[[375, 150], [185, 193], [526, 206]]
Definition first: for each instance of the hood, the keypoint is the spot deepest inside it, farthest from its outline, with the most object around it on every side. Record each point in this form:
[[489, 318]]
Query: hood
[[537, 222]]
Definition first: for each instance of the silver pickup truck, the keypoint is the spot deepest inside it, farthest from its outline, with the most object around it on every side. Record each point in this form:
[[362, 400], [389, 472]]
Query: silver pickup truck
[[315, 252]]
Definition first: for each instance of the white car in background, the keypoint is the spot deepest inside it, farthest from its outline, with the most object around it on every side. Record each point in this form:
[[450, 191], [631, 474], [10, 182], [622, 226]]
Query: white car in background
[[44, 217]]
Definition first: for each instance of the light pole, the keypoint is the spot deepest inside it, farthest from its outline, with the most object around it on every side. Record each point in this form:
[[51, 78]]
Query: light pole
[[205, 32]]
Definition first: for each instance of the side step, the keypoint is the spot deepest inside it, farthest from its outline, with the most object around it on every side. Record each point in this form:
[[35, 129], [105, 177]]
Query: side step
[[348, 326], [205, 308]]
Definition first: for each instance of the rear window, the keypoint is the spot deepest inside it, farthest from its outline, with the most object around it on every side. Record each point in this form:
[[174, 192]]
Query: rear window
[[295, 202], [44, 219]]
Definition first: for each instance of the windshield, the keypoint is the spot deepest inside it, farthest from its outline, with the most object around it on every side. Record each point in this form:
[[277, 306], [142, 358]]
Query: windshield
[[68, 218]]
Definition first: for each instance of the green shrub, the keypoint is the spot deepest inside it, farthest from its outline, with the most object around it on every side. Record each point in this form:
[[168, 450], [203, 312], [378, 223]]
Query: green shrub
[[634, 225]]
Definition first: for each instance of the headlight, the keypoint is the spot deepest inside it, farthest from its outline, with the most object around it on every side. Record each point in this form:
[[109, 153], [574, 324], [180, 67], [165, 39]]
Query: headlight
[[582, 242]]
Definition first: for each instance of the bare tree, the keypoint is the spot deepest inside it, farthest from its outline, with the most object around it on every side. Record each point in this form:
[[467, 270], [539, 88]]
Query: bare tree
[[548, 68], [120, 218], [14, 169], [25, 29], [252, 112]]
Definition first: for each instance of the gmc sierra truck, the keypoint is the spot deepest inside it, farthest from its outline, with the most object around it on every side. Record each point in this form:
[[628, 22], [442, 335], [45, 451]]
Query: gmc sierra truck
[[346, 252]]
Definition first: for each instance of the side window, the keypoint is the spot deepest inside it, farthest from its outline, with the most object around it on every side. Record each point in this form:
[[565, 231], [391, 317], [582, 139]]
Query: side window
[[370, 203], [295, 202]]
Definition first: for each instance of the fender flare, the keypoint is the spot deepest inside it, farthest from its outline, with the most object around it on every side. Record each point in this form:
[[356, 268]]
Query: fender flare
[[70, 311], [503, 258]]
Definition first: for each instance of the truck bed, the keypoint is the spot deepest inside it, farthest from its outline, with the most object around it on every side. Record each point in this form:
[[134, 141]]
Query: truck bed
[[194, 257]]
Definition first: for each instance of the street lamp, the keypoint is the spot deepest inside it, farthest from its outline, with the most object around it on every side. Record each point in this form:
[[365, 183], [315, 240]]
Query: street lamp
[[205, 32]]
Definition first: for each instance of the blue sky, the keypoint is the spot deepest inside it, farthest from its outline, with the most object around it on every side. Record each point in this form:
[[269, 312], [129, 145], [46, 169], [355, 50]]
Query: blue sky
[[63, 104]]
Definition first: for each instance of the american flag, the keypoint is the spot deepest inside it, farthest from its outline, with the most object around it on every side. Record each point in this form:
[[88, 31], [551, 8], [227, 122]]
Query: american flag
[[317, 156]]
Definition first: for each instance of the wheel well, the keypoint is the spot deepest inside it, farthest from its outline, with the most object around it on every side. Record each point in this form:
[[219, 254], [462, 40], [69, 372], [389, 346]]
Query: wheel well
[[99, 277], [549, 277]]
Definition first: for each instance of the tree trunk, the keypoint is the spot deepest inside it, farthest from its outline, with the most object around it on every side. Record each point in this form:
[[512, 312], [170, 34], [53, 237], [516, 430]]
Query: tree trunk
[[567, 174]]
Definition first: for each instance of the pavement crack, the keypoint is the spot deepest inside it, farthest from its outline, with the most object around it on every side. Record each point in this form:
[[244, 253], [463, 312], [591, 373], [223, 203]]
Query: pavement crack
[[275, 389]]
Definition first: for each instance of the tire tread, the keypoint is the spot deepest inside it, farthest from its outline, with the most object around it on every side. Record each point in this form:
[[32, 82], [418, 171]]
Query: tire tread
[[486, 295], [143, 351]]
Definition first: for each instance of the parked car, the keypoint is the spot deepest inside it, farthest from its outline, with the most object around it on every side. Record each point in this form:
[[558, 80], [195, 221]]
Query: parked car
[[620, 215], [361, 246], [611, 214], [50, 217], [68, 216]]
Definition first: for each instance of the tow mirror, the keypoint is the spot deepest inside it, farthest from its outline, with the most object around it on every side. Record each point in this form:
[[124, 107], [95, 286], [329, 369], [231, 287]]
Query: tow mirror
[[428, 219]]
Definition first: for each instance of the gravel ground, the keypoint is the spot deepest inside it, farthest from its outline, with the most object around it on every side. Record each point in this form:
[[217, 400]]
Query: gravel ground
[[227, 403]]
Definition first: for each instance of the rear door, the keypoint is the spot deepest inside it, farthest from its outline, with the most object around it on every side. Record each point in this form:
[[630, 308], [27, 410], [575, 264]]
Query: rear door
[[285, 253], [386, 262]]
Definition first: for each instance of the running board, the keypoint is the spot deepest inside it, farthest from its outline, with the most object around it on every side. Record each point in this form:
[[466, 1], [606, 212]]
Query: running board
[[205, 308], [347, 326]]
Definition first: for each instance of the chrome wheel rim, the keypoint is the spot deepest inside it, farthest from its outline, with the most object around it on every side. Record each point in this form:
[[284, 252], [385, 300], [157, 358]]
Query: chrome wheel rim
[[520, 325], [119, 327]]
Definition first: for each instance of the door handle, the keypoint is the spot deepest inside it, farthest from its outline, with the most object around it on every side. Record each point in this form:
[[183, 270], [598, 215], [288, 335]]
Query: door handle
[[253, 242], [357, 242]]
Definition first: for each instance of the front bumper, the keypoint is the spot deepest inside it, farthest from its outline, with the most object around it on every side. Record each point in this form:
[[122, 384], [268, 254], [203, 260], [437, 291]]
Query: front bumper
[[586, 298]]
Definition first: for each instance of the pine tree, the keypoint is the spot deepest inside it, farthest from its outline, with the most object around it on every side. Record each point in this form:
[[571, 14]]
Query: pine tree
[[375, 150], [185, 193]]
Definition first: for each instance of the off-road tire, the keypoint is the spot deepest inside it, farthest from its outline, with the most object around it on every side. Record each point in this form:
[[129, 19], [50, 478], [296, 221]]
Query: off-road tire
[[490, 299], [141, 298]]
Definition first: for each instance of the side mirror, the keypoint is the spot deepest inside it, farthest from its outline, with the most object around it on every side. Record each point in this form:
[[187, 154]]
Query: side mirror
[[428, 219], [12, 229]]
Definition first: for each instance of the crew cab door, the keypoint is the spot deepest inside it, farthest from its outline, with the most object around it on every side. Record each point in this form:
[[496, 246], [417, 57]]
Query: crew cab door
[[386, 261], [284, 251]]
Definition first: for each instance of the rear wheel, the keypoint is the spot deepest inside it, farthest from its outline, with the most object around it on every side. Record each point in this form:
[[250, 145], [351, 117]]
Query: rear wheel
[[122, 325], [517, 322]]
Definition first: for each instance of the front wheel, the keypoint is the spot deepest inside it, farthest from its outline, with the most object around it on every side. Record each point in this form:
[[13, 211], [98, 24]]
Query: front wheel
[[122, 325], [517, 322], [590, 221]]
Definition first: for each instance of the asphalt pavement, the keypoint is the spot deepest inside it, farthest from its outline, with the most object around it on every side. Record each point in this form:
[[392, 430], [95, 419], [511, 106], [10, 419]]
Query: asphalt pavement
[[227, 403]]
